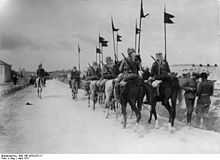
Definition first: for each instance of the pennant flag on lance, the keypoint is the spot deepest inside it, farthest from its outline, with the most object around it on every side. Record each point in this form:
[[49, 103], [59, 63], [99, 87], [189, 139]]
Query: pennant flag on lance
[[168, 18], [138, 30], [119, 38], [142, 11], [98, 50], [78, 48], [113, 27], [101, 39], [104, 43]]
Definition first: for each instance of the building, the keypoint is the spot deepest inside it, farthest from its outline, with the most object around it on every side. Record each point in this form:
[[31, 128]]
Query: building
[[5, 72]]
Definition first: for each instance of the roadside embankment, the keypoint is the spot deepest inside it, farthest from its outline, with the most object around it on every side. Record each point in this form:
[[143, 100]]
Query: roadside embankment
[[9, 88]]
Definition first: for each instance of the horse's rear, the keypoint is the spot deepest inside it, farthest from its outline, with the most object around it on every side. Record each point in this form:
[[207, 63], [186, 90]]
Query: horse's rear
[[93, 92], [109, 96], [132, 93], [39, 85]]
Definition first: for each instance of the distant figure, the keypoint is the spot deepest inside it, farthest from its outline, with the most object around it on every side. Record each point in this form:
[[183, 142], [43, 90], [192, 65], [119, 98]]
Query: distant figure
[[32, 79], [75, 76], [190, 87], [204, 91], [15, 78], [41, 73]]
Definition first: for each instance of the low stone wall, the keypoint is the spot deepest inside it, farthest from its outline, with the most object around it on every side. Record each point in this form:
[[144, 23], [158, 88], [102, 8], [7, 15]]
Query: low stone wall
[[12, 88]]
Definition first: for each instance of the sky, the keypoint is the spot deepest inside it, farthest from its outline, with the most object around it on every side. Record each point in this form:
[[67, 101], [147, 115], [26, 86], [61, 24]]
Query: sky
[[48, 31]]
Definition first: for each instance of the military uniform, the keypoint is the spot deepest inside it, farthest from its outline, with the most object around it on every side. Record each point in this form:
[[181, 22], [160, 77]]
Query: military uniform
[[93, 73], [189, 86], [204, 91], [129, 69], [160, 70], [108, 71]]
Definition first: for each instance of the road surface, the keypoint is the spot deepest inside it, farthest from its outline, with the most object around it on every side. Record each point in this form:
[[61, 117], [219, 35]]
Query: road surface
[[57, 124]]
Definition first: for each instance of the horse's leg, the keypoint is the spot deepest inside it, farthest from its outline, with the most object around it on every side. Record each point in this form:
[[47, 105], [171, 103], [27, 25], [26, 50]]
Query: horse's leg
[[95, 98], [132, 103], [107, 107], [124, 112], [155, 116], [171, 113], [88, 98], [173, 102], [152, 111]]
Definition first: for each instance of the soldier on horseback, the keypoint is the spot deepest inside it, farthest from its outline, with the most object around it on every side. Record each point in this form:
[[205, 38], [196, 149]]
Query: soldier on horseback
[[41, 73], [108, 68], [94, 72], [128, 68], [160, 71]]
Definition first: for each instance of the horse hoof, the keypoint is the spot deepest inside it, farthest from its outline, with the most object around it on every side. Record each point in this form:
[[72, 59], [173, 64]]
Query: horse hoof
[[149, 121], [172, 129], [156, 125]]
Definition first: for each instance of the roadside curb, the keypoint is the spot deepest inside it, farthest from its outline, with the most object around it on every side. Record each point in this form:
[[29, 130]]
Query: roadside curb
[[12, 89]]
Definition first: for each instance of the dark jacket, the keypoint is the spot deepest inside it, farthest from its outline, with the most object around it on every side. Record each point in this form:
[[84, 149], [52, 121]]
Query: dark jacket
[[159, 70], [129, 66], [190, 87], [75, 75], [204, 91], [40, 72]]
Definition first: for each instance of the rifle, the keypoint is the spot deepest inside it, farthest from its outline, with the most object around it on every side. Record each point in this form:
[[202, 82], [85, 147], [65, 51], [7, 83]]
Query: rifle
[[127, 61], [154, 59], [157, 63], [90, 66]]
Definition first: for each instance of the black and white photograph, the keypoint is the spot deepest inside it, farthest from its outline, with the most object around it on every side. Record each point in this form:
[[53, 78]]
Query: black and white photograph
[[109, 77]]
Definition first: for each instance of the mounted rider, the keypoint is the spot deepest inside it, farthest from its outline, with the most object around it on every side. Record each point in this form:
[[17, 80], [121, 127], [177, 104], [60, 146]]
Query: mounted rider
[[94, 72], [75, 76], [160, 71], [41, 73], [128, 68], [108, 72]]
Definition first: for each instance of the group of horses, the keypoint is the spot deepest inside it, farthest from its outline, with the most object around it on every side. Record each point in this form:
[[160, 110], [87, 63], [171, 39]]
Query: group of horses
[[133, 93]]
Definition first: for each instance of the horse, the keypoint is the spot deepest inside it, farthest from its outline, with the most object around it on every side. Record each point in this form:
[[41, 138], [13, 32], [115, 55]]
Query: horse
[[39, 85], [110, 99], [168, 91], [93, 93], [133, 93], [74, 88]]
